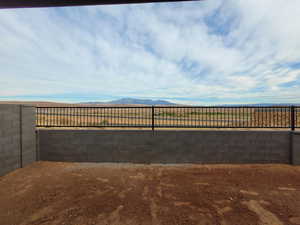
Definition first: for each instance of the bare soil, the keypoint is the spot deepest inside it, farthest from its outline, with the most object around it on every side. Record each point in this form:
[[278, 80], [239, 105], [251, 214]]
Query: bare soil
[[128, 194]]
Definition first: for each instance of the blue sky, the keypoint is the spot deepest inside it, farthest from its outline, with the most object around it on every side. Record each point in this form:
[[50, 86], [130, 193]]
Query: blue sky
[[209, 52]]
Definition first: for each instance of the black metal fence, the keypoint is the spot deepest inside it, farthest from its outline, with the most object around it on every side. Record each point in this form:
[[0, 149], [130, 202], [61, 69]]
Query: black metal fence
[[170, 117]]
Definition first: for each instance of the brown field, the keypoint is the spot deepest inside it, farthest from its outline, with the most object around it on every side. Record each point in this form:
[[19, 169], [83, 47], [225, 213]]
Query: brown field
[[47, 193]]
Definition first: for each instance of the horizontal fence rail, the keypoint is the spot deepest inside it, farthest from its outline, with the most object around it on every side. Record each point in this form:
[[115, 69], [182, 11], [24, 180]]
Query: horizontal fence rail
[[170, 117]]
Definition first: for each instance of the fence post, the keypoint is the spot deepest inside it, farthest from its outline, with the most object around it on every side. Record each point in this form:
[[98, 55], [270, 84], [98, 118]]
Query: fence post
[[21, 134], [292, 118], [152, 117]]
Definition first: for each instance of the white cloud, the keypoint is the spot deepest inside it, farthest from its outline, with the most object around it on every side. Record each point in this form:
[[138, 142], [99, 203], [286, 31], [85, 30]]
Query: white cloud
[[213, 51]]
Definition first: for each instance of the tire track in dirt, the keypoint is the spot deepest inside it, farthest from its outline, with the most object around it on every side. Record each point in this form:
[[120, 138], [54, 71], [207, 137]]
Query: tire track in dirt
[[265, 216], [151, 195]]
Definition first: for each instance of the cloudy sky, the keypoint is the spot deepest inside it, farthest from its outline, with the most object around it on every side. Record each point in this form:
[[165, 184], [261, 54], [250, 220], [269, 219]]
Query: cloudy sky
[[210, 52]]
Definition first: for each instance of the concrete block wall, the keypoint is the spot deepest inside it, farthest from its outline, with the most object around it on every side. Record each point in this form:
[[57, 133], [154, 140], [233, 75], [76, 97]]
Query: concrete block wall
[[296, 148], [165, 146], [17, 137], [9, 138], [29, 154]]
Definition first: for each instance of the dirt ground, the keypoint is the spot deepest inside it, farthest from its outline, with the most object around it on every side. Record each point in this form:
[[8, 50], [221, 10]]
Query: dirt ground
[[126, 194]]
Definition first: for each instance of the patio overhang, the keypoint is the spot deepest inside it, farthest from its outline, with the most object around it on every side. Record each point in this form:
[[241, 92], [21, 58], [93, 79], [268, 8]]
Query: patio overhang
[[4, 4]]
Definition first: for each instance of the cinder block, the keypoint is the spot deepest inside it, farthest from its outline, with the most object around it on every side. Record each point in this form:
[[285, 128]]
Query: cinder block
[[100, 153], [10, 136], [165, 146], [28, 135], [296, 148]]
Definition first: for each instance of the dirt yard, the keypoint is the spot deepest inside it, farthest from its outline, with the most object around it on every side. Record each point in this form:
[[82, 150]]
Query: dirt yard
[[125, 194]]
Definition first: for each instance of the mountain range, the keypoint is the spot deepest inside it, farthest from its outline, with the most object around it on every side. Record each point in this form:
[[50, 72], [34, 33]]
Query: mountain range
[[133, 101], [262, 104]]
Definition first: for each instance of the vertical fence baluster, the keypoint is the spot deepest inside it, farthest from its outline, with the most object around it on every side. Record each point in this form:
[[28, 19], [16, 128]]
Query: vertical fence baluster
[[173, 116], [152, 114], [84, 117], [292, 118]]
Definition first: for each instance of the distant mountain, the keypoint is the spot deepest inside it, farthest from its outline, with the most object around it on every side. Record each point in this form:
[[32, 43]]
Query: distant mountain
[[262, 104], [133, 101], [39, 103]]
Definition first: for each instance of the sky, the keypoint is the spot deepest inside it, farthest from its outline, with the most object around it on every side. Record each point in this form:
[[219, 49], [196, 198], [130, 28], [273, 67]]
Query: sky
[[201, 53]]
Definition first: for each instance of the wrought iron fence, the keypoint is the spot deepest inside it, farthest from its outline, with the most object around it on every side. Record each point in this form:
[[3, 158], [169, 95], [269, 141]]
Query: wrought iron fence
[[170, 117]]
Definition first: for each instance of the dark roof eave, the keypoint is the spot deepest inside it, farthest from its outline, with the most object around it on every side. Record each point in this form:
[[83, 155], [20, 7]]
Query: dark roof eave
[[6, 4]]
